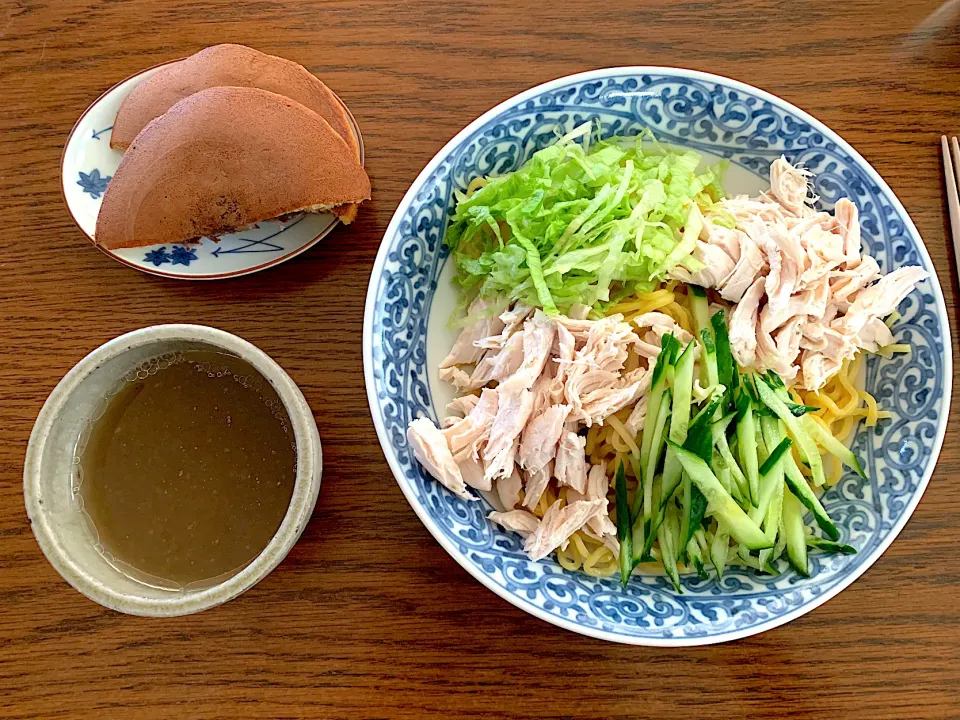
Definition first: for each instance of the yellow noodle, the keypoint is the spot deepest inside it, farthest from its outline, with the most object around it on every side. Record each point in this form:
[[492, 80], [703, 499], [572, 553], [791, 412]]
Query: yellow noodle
[[823, 400], [592, 437], [577, 541], [624, 434], [854, 396], [650, 306], [680, 315], [567, 559], [640, 305], [871, 402], [618, 442], [475, 184], [600, 563]]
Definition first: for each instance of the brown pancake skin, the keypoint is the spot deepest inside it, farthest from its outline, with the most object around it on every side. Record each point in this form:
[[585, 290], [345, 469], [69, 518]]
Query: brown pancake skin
[[226, 66], [222, 159]]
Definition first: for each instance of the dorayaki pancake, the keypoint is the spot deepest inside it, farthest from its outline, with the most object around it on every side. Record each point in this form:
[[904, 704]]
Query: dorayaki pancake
[[223, 159], [226, 66]]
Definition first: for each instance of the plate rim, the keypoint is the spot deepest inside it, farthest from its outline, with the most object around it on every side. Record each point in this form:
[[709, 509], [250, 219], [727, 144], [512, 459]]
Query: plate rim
[[355, 127], [373, 287]]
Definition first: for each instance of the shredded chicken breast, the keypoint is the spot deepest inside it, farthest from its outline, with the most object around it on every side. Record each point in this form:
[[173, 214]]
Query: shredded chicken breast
[[806, 296]]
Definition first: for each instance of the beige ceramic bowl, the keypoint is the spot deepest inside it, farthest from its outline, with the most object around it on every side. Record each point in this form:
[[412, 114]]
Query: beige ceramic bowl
[[60, 527]]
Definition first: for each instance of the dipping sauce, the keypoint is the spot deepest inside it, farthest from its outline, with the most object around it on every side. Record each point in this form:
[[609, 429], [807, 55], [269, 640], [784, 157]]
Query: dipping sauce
[[188, 473]]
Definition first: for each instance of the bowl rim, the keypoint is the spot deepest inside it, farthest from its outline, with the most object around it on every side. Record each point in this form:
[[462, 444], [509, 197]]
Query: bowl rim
[[302, 500], [376, 276], [354, 126]]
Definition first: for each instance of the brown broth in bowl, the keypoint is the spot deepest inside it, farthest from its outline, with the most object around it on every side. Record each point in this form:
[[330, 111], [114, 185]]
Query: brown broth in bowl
[[188, 472]]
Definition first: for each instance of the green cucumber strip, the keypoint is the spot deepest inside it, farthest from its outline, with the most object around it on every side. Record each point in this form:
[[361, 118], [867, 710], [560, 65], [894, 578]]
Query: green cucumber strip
[[701, 537], [772, 518], [781, 542], [718, 430], [697, 511], [700, 433], [679, 420], [801, 410], [807, 445], [669, 536], [699, 306], [686, 507], [658, 384], [747, 442], [801, 489], [797, 483], [749, 561], [696, 558], [770, 482], [710, 374], [701, 319], [624, 526], [721, 424], [653, 526], [774, 380], [704, 419], [725, 365], [794, 534], [769, 567], [720, 502], [829, 546], [682, 392], [719, 548], [833, 446], [637, 540], [775, 456], [653, 458]]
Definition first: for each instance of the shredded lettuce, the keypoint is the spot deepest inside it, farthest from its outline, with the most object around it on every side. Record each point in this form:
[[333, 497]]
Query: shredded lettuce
[[582, 222]]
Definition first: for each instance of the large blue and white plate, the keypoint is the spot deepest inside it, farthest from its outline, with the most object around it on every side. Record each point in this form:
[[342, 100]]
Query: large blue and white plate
[[410, 299], [88, 164]]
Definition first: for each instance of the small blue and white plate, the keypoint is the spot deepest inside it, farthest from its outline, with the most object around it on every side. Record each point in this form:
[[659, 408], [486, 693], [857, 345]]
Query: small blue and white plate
[[88, 164], [405, 336]]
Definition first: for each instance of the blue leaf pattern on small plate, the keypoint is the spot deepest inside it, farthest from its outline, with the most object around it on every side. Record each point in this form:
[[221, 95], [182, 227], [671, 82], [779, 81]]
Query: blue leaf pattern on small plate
[[92, 183], [750, 128], [182, 255], [178, 255], [158, 257]]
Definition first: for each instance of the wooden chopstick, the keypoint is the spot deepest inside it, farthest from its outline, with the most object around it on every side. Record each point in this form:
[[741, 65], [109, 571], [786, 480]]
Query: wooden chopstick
[[951, 171]]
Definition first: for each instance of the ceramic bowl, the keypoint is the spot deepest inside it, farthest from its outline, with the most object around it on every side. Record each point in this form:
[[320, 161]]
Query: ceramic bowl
[[59, 525], [410, 299], [88, 164]]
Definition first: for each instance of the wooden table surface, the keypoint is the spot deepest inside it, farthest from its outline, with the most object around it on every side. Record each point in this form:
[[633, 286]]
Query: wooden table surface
[[368, 617]]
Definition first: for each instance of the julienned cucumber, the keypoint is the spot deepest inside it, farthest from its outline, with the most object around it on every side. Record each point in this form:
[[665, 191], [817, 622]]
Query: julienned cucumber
[[679, 420], [720, 502], [807, 445], [747, 441], [833, 446], [624, 528], [829, 546], [797, 483], [794, 534]]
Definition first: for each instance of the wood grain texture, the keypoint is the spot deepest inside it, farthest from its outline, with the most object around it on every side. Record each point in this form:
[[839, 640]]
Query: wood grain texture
[[368, 617]]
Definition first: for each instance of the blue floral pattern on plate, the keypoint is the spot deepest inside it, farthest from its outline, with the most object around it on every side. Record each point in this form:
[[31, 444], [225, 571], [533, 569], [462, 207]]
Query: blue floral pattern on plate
[[178, 255], [750, 128], [92, 183]]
